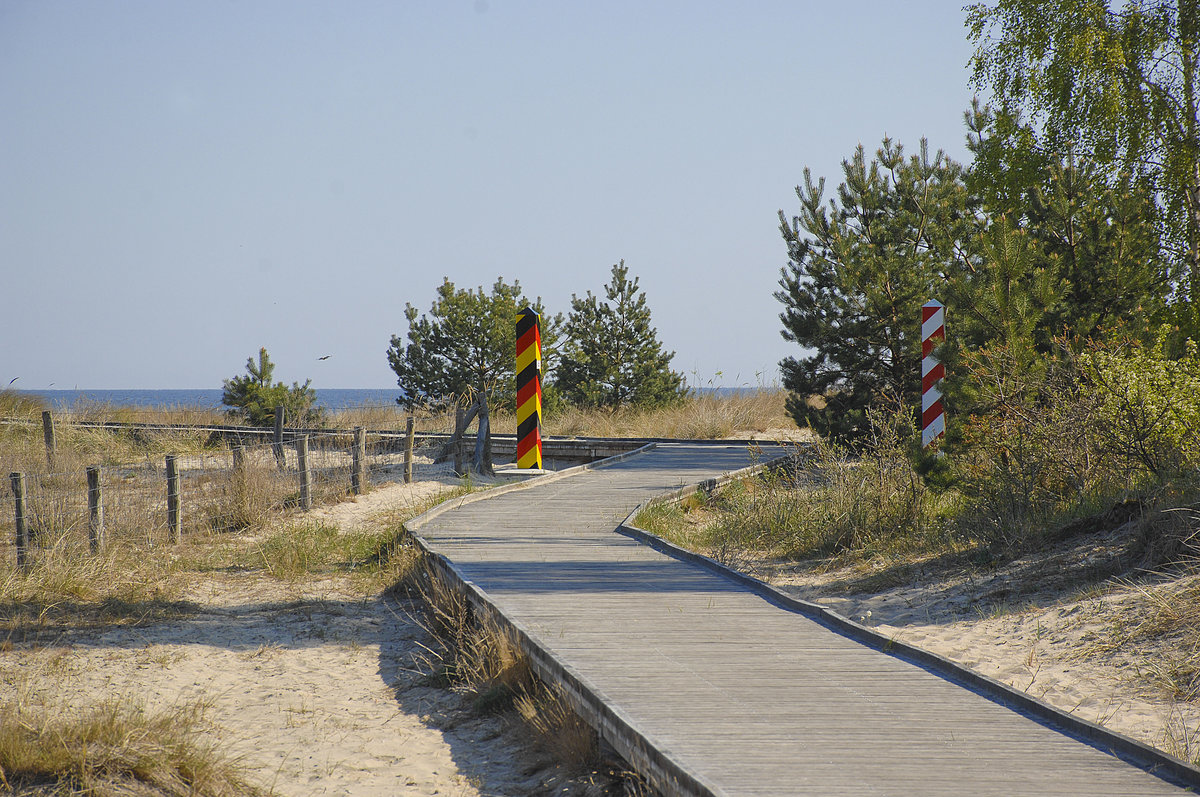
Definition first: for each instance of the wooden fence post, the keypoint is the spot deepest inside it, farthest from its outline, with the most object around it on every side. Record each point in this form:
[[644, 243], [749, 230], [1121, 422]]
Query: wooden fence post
[[174, 521], [410, 428], [280, 419], [48, 434], [358, 461], [18, 488], [305, 472], [95, 510]]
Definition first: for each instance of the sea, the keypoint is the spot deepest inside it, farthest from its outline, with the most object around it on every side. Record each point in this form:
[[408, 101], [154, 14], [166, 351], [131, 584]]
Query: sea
[[331, 399]]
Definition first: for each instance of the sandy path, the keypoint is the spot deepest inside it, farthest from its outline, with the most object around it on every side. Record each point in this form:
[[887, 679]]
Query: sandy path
[[311, 685]]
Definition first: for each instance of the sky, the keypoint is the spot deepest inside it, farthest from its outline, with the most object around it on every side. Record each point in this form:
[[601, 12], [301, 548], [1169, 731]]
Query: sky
[[183, 182]]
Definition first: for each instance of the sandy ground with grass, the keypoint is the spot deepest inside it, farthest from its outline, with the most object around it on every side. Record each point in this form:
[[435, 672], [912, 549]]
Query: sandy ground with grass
[[312, 686], [1043, 624], [317, 689]]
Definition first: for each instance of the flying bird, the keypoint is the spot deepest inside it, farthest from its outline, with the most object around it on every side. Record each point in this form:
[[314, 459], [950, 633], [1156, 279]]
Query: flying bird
[[14, 379], [326, 357]]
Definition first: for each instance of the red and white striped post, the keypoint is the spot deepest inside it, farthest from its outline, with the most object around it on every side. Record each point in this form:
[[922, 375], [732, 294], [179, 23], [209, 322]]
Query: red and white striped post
[[933, 331]]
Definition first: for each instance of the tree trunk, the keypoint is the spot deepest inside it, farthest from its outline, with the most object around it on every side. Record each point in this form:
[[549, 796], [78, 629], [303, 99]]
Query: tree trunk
[[1188, 44], [483, 440]]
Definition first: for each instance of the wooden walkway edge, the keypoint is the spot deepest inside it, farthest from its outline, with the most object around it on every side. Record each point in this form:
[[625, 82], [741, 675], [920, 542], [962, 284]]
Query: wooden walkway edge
[[509, 571]]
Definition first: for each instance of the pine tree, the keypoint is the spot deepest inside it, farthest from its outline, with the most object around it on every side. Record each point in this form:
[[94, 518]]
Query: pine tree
[[859, 271], [253, 398], [1107, 249], [613, 356], [1095, 230]]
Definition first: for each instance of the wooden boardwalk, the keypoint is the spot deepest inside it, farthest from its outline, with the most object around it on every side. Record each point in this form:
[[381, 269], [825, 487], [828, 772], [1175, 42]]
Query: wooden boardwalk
[[707, 687]]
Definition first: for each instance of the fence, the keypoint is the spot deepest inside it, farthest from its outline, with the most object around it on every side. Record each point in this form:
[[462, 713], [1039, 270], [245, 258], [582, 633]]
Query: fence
[[158, 501]]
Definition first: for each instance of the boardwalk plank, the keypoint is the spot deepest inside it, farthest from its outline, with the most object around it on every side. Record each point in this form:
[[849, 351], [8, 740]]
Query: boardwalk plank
[[739, 695]]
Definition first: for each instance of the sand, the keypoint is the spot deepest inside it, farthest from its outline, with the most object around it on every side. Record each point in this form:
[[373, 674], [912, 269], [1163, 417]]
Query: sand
[[311, 686], [314, 688]]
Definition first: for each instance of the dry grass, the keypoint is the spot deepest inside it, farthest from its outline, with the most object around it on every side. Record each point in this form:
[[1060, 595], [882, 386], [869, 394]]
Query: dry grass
[[1180, 739], [476, 655], [820, 505], [177, 414], [699, 417], [73, 589], [250, 496], [375, 559], [704, 416], [557, 729], [1160, 626], [389, 417], [114, 748], [22, 447], [216, 496], [132, 582], [487, 662]]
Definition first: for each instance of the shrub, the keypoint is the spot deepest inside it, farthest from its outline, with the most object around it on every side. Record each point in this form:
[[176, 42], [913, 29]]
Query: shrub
[[1026, 455], [1148, 404], [254, 399], [1114, 422]]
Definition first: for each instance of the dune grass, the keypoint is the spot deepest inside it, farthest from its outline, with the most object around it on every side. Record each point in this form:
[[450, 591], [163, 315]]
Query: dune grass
[[699, 416], [73, 588], [116, 747], [820, 505], [474, 655], [143, 581]]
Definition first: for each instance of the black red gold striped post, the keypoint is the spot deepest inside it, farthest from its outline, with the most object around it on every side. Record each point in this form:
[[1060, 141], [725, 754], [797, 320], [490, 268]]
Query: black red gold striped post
[[529, 389]]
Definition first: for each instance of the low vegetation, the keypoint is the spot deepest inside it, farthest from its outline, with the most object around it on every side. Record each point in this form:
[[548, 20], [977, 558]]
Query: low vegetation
[[115, 747], [703, 415], [486, 662], [119, 747]]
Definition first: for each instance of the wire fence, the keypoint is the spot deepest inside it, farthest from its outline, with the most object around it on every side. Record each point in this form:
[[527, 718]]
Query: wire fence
[[225, 486]]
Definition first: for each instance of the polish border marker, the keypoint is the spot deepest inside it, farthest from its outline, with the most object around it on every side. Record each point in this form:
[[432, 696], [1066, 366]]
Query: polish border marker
[[933, 414]]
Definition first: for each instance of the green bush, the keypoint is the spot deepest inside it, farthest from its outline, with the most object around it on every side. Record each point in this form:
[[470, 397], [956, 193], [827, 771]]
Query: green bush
[[1148, 409], [254, 399], [1087, 430], [1027, 454]]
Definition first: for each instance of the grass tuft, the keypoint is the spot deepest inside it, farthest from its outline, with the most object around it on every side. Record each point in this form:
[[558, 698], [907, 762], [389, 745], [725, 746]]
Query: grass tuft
[[114, 748], [558, 729], [487, 662]]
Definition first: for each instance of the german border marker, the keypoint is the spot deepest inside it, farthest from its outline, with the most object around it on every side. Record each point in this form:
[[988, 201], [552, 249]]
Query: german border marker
[[529, 389]]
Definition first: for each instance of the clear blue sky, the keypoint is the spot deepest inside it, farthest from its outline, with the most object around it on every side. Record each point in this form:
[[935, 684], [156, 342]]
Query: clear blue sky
[[184, 182]]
